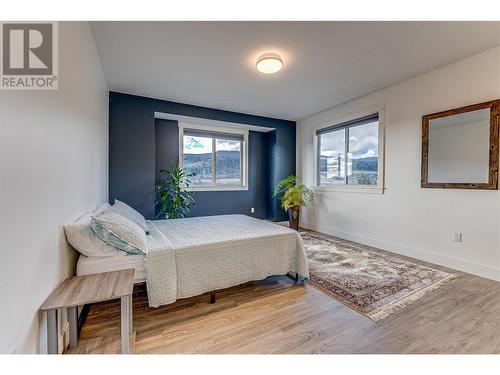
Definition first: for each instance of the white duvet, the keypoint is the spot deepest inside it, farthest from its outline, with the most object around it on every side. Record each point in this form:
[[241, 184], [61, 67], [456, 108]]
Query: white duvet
[[188, 257]]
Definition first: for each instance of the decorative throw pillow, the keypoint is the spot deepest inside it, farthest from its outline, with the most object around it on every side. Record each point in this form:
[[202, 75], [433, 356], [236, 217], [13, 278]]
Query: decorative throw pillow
[[125, 210], [86, 242], [120, 232]]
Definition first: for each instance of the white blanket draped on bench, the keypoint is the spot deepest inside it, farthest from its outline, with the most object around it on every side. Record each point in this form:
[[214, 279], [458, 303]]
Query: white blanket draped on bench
[[188, 257]]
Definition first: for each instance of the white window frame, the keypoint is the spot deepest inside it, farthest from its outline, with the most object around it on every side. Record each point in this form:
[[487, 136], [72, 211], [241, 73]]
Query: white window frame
[[221, 129], [374, 189]]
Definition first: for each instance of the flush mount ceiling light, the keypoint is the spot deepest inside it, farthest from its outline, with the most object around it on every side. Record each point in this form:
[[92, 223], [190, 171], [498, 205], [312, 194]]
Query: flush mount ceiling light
[[269, 63]]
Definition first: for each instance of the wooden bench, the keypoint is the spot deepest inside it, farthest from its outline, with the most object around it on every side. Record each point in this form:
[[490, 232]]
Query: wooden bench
[[81, 290]]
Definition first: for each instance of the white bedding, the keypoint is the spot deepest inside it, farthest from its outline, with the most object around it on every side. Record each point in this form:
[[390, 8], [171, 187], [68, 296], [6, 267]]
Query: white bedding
[[188, 257]]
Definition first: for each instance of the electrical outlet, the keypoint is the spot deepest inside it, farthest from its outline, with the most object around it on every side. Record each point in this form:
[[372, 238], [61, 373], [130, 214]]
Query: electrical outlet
[[457, 237], [252, 210]]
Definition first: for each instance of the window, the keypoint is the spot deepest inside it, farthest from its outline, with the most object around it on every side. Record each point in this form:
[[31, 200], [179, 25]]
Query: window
[[217, 157], [348, 153]]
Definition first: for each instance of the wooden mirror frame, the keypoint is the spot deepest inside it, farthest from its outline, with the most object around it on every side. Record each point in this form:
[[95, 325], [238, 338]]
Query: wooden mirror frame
[[492, 184]]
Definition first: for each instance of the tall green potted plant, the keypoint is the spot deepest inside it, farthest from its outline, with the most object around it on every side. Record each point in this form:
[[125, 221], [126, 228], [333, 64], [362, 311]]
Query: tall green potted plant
[[172, 194], [293, 196]]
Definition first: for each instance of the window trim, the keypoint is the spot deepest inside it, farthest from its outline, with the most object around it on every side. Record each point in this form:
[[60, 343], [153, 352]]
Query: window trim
[[345, 120], [217, 129]]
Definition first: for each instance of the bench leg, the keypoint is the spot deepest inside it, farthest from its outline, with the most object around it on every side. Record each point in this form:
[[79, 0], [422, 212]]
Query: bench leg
[[73, 326], [212, 297], [52, 339], [125, 323], [296, 277], [131, 315]]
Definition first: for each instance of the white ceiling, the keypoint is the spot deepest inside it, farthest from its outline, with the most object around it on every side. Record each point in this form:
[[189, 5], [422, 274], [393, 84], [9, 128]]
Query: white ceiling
[[326, 63]]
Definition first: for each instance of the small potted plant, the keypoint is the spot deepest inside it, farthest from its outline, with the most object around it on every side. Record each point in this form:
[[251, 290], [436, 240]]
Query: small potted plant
[[293, 196], [172, 194]]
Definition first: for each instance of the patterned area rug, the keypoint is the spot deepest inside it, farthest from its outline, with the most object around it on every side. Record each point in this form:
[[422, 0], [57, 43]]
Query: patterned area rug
[[373, 283]]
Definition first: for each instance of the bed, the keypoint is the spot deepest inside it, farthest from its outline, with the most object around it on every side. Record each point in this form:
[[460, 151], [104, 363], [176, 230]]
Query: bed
[[188, 257]]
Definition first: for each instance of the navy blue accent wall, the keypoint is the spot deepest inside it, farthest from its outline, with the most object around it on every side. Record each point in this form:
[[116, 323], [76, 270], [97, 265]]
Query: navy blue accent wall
[[271, 203], [284, 162], [166, 146], [135, 135]]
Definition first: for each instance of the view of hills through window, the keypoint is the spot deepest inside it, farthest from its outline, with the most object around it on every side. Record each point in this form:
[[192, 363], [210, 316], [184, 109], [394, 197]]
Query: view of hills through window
[[215, 161], [354, 162]]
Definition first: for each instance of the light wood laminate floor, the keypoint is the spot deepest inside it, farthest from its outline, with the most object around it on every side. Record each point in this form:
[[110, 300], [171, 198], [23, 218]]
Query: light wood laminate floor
[[278, 316]]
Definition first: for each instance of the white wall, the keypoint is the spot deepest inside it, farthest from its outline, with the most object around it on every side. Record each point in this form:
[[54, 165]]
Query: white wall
[[53, 168], [408, 219]]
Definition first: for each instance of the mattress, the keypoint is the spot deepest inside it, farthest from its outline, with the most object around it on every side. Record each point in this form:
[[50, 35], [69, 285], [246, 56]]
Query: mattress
[[89, 265]]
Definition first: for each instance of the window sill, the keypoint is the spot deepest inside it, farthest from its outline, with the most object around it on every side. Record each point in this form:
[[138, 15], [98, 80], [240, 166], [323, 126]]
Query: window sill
[[351, 189], [217, 188]]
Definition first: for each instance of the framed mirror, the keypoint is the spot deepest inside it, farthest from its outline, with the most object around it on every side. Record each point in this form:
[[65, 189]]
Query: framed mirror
[[460, 147]]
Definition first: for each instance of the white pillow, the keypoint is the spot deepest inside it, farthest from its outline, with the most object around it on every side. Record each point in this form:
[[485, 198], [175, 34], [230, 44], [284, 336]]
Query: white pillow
[[101, 208], [125, 210], [120, 232], [85, 241]]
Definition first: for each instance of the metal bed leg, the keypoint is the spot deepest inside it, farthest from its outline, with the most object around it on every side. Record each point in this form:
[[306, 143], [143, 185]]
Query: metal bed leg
[[212, 297]]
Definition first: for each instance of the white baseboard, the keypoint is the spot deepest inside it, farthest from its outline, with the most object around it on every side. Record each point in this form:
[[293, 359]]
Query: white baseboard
[[442, 260], [63, 338]]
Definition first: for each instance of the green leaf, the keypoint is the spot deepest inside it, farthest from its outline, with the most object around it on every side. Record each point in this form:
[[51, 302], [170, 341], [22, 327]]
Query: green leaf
[[292, 194], [171, 194]]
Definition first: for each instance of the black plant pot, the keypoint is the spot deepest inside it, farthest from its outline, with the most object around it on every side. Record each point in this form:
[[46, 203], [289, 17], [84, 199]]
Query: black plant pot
[[293, 217]]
